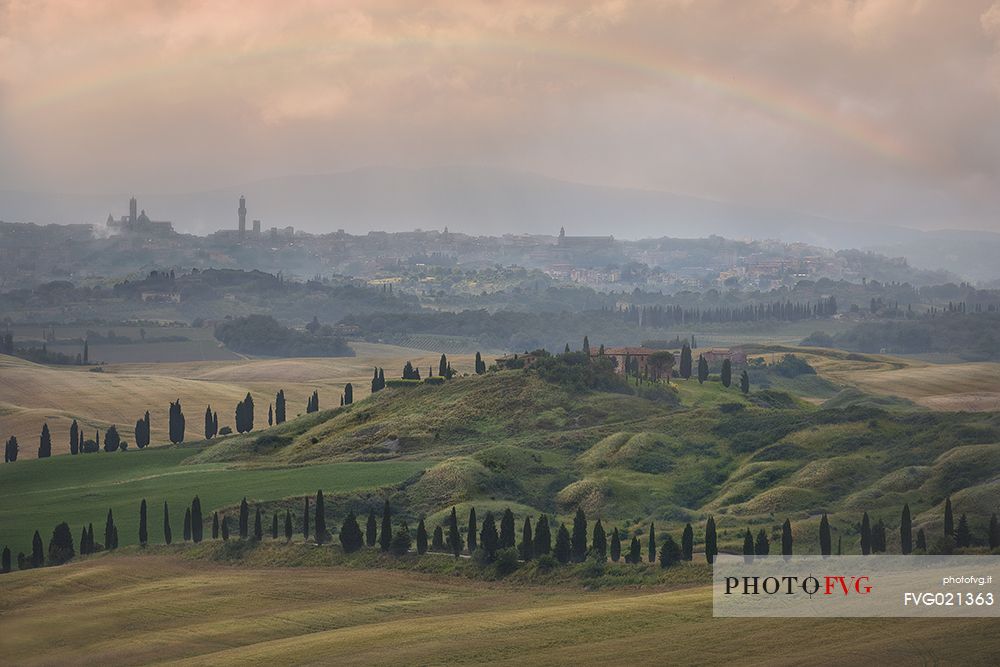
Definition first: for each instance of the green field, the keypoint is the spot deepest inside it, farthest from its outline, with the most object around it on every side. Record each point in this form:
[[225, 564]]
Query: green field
[[38, 494], [128, 610]]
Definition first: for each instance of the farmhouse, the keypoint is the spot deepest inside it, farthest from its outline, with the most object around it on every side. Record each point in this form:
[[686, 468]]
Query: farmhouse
[[623, 357], [715, 357]]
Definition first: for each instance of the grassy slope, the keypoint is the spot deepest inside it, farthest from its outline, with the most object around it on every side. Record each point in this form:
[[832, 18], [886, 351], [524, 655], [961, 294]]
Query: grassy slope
[[31, 394], [163, 609], [973, 387], [81, 489], [511, 439]]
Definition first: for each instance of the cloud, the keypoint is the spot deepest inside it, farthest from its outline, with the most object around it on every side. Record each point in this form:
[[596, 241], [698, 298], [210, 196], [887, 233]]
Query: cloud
[[872, 109]]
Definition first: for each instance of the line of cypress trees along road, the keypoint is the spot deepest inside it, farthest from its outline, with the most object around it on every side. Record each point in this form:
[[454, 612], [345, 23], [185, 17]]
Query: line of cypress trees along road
[[491, 543]]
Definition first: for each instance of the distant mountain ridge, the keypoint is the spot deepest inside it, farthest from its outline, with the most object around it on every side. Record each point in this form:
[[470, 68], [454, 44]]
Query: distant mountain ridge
[[481, 200]]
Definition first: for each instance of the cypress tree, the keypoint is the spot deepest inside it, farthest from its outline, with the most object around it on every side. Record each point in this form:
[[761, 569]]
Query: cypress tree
[[112, 440], [745, 382], [507, 529], [61, 545], [454, 535], [348, 393], [270, 414], [825, 539], [878, 537], [244, 519], [921, 541], [187, 524], [786, 539], [385, 539], [651, 550], [687, 543], [83, 542], [176, 422], [963, 537], [949, 526], [762, 545], [711, 544], [906, 531], [421, 538], [197, 523], [747, 547], [5, 560], [702, 369], [209, 423], [288, 526], [727, 373], [320, 527], [109, 531], [443, 366], [381, 378], [305, 519], [472, 531], [37, 552], [224, 525], [45, 442], [375, 386], [866, 535], [279, 407], [274, 526], [994, 536], [616, 545], [74, 438], [599, 542], [670, 553], [11, 450], [685, 367], [91, 548], [143, 534], [488, 538], [543, 536], [562, 550], [215, 525], [258, 527], [634, 552], [371, 529], [437, 542], [351, 538], [167, 535], [527, 547], [215, 423], [480, 364], [579, 540]]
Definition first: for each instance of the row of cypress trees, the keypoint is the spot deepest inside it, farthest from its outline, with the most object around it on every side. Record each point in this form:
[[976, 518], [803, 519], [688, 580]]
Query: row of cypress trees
[[491, 542], [78, 444]]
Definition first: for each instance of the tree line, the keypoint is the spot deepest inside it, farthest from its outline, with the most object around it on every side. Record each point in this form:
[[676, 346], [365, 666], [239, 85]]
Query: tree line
[[176, 427], [494, 539], [660, 317]]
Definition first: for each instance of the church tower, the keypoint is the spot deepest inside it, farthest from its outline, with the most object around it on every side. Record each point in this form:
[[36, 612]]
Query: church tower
[[243, 216]]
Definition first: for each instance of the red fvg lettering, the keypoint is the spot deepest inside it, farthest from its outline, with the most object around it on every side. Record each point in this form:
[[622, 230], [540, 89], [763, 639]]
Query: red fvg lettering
[[858, 585]]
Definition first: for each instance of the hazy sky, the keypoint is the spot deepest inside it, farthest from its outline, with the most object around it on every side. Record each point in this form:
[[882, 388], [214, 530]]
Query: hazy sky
[[883, 110]]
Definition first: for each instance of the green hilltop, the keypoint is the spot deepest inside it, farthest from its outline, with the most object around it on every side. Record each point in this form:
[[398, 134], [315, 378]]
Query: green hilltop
[[634, 454]]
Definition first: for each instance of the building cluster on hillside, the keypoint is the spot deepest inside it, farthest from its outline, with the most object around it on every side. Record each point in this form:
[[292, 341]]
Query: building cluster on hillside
[[601, 262]]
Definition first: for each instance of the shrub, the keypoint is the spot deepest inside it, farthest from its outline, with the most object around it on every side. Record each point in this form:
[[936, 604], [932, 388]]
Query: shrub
[[506, 561], [397, 382], [546, 563], [400, 543]]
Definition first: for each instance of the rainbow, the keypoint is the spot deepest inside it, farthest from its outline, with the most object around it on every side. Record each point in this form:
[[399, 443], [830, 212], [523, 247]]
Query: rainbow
[[770, 97]]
